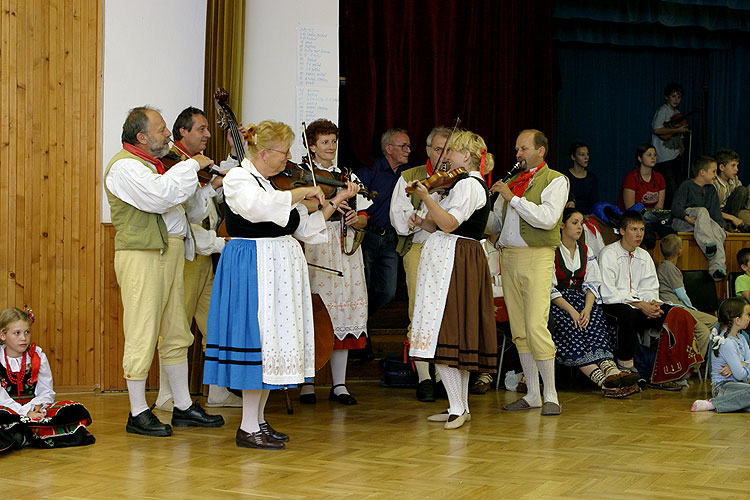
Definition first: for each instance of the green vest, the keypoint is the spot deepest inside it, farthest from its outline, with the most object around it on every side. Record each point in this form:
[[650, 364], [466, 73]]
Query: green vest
[[413, 174], [136, 229], [533, 236]]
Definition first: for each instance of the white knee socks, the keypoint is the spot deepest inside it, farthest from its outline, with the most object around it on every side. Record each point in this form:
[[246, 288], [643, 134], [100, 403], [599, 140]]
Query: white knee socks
[[137, 395], [452, 382], [262, 405], [547, 369], [178, 380], [423, 370], [530, 371], [465, 389], [165, 390], [250, 405], [338, 370]]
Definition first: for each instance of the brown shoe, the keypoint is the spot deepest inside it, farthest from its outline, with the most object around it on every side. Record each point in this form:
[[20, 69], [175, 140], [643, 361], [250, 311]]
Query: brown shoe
[[269, 431], [257, 440], [550, 408], [482, 385], [519, 404], [622, 379], [621, 392], [665, 386]]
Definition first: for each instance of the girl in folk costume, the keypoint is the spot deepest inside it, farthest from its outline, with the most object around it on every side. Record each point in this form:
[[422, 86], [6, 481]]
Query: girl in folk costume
[[345, 297], [453, 323], [730, 360], [29, 415], [582, 335], [260, 323]]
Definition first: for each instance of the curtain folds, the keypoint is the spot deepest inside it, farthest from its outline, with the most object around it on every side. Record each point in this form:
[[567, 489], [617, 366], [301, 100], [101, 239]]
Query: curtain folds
[[225, 45]]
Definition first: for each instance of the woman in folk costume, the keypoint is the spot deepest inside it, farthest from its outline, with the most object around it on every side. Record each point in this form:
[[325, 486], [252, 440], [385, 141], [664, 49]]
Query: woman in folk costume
[[345, 297], [260, 323], [582, 335], [29, 415], [454, 323]]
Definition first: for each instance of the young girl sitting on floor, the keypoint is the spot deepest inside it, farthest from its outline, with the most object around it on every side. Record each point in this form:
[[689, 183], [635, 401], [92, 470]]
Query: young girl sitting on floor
[[29, 415], [730, 358]]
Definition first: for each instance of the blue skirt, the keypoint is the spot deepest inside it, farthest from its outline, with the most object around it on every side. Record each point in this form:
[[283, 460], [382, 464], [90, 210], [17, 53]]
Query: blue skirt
[[234, 356], [581, 347]]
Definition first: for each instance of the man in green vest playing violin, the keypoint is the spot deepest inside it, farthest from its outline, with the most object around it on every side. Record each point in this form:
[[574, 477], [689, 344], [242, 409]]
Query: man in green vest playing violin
[[527, 215]]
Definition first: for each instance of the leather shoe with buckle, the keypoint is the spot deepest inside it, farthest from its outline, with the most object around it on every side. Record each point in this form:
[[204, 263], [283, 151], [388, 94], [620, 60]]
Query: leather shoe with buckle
[[269, 431], [146, 424], [257, 440], [343, 398], [426, 391], [195, 416]]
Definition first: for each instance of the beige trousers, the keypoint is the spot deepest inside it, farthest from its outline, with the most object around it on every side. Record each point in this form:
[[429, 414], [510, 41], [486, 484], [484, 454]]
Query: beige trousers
[[199, 278], [151, 286], [527, 283]]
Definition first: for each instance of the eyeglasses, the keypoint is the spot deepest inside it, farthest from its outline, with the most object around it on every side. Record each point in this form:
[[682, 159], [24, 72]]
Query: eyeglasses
[[406, 146], [285, 153]]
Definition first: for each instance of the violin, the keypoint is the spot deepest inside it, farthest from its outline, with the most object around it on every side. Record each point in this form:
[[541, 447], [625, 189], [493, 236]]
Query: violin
[[678, 120], [205, 175], [440, 180], [294, 176]]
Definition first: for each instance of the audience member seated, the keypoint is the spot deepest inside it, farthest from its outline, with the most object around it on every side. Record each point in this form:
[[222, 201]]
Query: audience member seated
[[643, 184], [695, 209], [581, 333], [583, 184], [742, 283], [732, 194], [672, 290]]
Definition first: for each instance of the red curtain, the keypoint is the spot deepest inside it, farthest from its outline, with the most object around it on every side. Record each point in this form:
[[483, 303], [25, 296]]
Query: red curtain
[[417, 64]]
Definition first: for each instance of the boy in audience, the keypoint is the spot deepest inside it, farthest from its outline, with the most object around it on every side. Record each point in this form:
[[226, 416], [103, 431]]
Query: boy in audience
[[695, 209], [742, 283], [672, 290], [732, 194]]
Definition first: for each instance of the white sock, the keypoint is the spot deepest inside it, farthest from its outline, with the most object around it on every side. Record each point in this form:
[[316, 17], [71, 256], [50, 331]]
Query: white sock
[[250, 400], [452, 382], [178, 379], [165, 390], [465, 389], [137, 396], [338, 370], [262, 405], [547, 369], [531, 372], [217, 394], [423, 370], [307, 389], [702, 405]]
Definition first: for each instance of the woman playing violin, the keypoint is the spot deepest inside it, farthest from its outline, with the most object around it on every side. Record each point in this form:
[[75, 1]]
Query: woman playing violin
[[345, 297], [453, 323], [260, 321]]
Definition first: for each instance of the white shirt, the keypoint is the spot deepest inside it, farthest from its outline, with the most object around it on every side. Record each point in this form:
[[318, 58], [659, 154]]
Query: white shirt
[[201, 204], [251, 196], [544, 216], [43, 393], [139, 186], [401, 209], [206, 241], [465, 198], [591, 279], [627, 277]]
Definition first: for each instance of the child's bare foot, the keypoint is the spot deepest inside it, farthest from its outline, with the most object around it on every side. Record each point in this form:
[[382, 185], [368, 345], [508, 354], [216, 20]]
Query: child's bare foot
[[702, 405]]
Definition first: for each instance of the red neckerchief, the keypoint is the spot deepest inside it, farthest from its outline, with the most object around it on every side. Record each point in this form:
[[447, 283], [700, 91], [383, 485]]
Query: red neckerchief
[[592, 225], [520, 185], [430, 168], [17, 377], [182, 149], [143, 156]]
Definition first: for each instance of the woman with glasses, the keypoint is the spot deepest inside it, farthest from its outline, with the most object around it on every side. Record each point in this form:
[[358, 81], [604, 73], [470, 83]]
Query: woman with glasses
[[260, 324], [345, 297]]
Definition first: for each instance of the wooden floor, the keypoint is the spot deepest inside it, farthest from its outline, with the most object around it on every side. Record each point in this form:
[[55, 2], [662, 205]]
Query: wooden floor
[[647, 446]]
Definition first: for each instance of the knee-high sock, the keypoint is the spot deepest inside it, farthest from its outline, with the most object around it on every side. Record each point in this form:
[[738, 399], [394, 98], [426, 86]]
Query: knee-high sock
[[217, 394], [452, 382], [165, 390], [465, 389], [250, 403], [423, 370], [307, 389], [338, 370], [262, 405], [178, 379], [531, 373], [137, 396], [547, 369]]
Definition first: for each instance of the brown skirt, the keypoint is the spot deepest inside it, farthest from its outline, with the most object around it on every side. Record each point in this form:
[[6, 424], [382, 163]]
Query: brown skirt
[[468, 334]]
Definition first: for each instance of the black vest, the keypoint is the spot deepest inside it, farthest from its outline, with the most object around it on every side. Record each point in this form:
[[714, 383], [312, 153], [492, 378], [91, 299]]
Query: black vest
[[239, 227], [474, 226]]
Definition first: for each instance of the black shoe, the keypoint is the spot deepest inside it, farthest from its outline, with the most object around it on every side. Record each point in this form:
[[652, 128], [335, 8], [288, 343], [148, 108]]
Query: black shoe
[[344, 399], [426, 391], [719, 275], [308, 399], [146, 424], [269, 431], [257, 440], [195, 416]]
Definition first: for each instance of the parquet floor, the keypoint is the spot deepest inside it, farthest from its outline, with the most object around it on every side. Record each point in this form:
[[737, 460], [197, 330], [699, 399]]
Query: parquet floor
[[649, 446]]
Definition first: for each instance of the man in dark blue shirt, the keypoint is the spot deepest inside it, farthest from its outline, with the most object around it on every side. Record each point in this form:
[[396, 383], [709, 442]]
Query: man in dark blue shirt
[[379, 243]]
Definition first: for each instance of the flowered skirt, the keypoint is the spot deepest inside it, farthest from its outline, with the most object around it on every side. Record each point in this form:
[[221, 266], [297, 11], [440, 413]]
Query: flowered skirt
[[581, 347], [64, 425]]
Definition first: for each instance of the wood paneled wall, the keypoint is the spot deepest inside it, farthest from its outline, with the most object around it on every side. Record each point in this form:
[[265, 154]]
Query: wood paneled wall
[[50, 163]]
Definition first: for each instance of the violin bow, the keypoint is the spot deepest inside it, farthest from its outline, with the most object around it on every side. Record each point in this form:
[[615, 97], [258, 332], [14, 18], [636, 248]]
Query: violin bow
[[455, 126], [309, 157]]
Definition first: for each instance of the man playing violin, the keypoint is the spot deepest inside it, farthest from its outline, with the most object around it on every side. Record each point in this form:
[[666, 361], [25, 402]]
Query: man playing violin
[[379, 243], [411, 240], [527, 215], [191, 135], [152, 242], [669, 151]]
